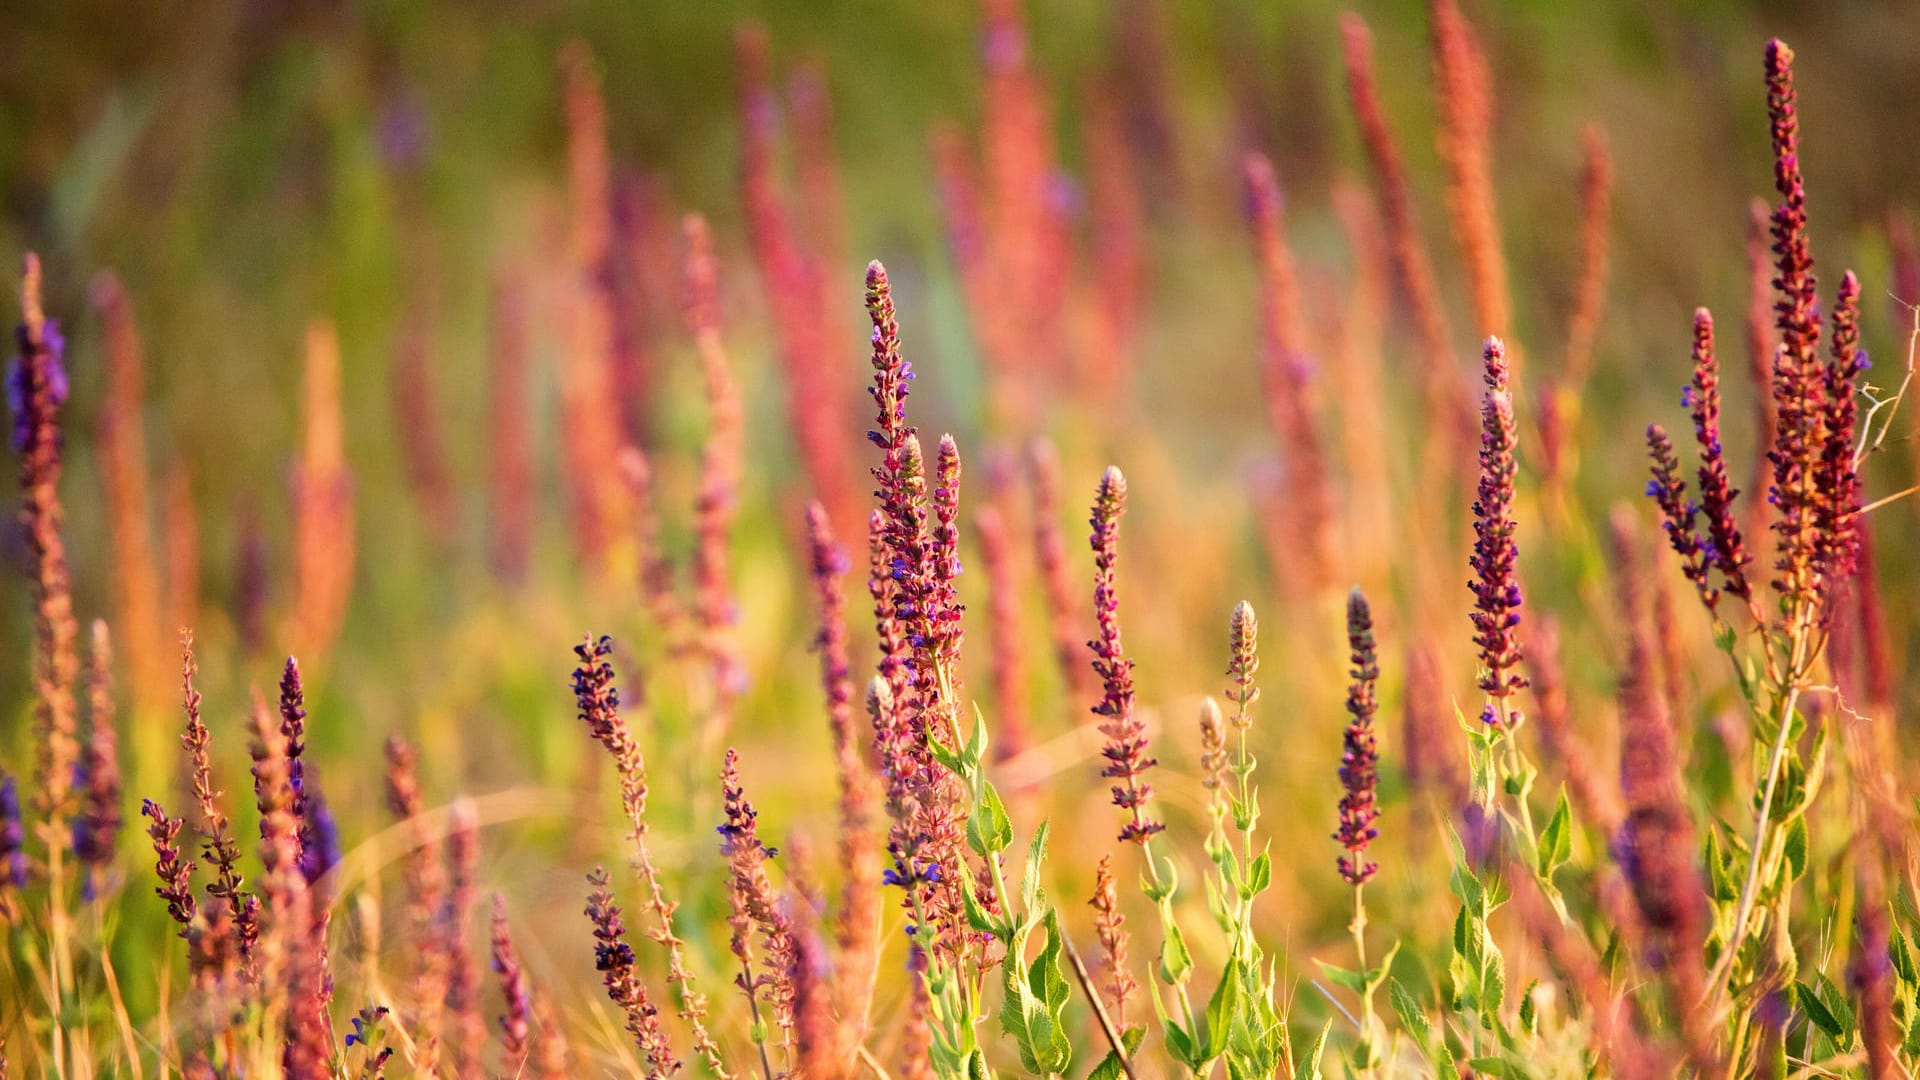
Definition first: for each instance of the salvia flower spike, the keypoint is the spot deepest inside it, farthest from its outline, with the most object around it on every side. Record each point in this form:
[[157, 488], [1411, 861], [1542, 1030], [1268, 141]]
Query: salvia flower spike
[[1725, 546], [1126, 745], [1496, 583], [1360, 756]]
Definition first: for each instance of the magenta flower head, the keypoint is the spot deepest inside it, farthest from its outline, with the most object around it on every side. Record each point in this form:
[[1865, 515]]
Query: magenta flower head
[[1680, 516], [1725, 548], [1496, 585], [1126, 749], [1360, 756], [1798, 389], [1838, 484]]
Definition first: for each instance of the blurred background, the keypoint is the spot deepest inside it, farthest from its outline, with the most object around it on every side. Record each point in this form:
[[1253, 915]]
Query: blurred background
[[402, 170]]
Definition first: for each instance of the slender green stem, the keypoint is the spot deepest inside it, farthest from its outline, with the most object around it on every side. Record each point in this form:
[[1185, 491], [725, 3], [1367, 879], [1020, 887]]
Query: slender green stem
[[1788, 698], [1166, 912], [1367, 1022]]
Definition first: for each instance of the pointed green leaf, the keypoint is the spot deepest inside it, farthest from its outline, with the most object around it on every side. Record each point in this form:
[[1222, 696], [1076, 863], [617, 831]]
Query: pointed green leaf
[[1109, 1067], [1817, 1011], [1030, 877], [1343, 978], [1796, 848], [1556, 840], [1315, 1052]]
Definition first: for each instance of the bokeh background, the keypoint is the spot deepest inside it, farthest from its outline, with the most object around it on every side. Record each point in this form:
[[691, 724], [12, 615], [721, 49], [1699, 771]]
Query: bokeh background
[[245, 168]]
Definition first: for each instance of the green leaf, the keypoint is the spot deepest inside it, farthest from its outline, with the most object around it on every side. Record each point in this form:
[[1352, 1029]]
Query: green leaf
[[1109, 1067], [1413, 1018], [1221, 1009], [1817, 1012], [1036, 857], [1529, 1012], [1556, 840], [1176, 964], [1355, 981], [1725, 883], [1180, 1045], [978, 916], [1796, 849], [1902, 959], [947, 758], [1259, 876], [1035, 1000], [989, 830], [1315, 1052]]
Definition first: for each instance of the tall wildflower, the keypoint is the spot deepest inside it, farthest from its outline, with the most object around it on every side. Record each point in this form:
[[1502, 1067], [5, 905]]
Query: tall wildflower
[[793, 271], [1448, 400], [416, 418], [1110, 925], [516, 1024], [1798, 387], [1725, 545], [171, 864], [918, 540], [96, 830], [1126, 746], [1656, 841], [219, 848], [1496, 585], [591, 433], [1589, 295], [1056, 577], [426, 897], [293, 945], [123, 476], [323, 546], [1464, 86], [1008, 658], [1838, 480], [463, 980], [1287, 374], [598, 700], [1760, 348], [1680, 515], [720, 467], [36, 390], [857, 935], [509, 453], [752, 907], [615, 961], [1360, 757]]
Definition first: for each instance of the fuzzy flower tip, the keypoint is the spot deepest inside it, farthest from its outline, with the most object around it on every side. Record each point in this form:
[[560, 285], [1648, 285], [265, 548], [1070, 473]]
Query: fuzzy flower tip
[[1496, 586], [1360, 758], [1126, 748], [1243, 643]]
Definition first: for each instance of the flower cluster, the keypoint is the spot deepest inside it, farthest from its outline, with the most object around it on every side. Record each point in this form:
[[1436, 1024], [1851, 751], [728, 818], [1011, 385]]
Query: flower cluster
[[1496, 586], [1360, 756], [1126, 747]]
